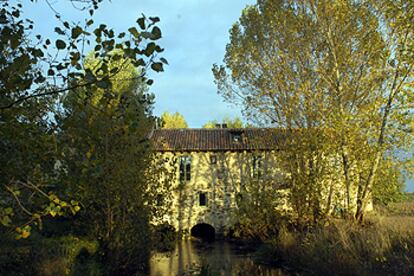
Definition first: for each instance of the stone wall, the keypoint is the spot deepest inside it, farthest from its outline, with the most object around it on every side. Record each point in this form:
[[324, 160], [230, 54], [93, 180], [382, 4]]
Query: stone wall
[[221, 182]]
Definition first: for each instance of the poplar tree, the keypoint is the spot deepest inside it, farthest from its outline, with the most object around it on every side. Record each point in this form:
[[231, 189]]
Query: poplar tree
[[336, 75]]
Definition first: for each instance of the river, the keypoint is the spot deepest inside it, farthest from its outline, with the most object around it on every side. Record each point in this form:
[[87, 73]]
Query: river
[[214, 258]]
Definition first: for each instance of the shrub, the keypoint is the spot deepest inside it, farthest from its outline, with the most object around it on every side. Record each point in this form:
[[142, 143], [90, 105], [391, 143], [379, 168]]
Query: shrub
[[46, 256], [163, 237], [59, 256]]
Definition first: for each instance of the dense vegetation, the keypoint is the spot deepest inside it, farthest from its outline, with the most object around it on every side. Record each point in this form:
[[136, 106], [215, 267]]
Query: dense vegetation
[[77, 185]]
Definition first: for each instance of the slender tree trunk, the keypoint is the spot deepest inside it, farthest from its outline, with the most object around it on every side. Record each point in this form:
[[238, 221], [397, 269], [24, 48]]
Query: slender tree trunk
[[328, 204], [345, 162], [366, 189]]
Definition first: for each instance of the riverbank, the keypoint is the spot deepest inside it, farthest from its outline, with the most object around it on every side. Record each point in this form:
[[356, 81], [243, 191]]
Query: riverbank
[[383, 245]]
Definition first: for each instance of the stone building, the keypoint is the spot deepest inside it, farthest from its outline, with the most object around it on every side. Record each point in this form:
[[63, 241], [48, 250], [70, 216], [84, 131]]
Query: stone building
[[211, 166]]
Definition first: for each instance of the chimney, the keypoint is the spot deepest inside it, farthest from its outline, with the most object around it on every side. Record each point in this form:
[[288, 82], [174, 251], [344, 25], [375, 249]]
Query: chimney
[[223, 125], [218, 125]]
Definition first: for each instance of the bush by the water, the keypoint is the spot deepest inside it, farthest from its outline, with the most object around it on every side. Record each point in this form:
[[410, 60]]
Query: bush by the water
[[67, 255], [163, 237]]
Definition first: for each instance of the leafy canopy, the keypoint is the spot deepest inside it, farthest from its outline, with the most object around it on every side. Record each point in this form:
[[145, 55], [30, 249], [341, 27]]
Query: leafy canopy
[[231, 123], [36, 72], [175, 120], [338, 72]]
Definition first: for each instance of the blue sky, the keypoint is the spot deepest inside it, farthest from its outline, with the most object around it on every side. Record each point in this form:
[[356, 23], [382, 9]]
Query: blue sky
[[195, 34]]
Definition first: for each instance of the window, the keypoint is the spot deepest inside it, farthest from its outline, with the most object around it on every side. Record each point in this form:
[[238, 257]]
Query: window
[[202, 199], [213, 159], [185, 168], [236, 136], [257, 166]]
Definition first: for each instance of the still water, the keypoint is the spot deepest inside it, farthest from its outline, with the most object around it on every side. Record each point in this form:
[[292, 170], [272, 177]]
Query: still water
[[215, 258]]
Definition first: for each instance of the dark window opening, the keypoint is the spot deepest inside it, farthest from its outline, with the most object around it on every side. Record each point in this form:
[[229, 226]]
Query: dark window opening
[[236, 136], [202, 199], [185, 168], [188, 172], [213, 159]]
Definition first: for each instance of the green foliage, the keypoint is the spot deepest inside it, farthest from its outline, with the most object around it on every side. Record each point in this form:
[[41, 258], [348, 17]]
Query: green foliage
[[35, 71], [106, 154], [46, 256], [74, 134], [66, 248], [108, 163], [327, 69], [164, 237], [231, 123], [260, 210], [175, 120], [389, 185], [160, 173]]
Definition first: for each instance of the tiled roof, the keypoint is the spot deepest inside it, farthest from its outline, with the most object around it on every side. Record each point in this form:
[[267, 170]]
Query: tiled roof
[[219, 139]]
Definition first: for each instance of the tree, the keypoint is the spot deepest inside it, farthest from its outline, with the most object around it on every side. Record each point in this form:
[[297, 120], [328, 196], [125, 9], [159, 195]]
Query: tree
[[35, 71], [175, 120], [231, 123], [396, 86], [329, 72], [105, 162]]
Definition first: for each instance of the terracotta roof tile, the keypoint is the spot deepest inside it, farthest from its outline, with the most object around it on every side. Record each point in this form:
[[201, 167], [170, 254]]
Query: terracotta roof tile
[[217, 139]]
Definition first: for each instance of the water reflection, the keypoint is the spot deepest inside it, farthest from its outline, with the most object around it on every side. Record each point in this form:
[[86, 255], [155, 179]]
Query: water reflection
[[216, 258]]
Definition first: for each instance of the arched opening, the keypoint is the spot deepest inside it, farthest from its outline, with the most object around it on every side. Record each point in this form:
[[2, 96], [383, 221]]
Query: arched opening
[[203, 231]]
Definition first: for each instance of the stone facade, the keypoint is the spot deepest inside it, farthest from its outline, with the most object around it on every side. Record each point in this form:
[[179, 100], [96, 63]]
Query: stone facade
[[210, 167], [206, 184]]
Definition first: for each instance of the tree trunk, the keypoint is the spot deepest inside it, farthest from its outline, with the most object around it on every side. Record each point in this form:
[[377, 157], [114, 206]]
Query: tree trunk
[[362, 201], [345, 162], [328, 204], [378, 155]]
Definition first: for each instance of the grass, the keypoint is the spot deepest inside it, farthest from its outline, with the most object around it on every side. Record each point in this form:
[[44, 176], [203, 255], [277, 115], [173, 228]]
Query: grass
[[384, 245]]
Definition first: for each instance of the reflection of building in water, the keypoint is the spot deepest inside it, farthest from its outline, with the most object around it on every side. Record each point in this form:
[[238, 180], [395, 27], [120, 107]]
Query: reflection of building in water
[[217, 258], [211, 168], [182, 259]]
